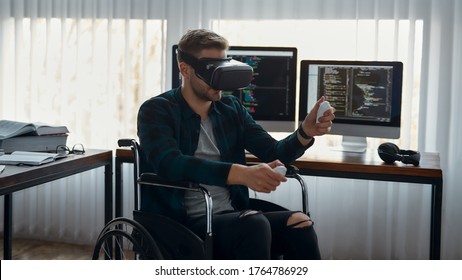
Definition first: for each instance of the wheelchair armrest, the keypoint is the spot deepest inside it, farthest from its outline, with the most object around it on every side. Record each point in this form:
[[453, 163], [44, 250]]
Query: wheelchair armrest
[[126, 142], [156, 180], [292, 170]]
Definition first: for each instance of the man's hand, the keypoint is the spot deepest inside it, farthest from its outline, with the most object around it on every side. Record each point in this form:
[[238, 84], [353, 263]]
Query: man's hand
[[312, 128], [260, 177]]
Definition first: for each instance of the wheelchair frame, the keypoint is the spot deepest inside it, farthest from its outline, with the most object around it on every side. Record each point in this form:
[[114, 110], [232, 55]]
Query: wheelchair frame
[[109, 242]]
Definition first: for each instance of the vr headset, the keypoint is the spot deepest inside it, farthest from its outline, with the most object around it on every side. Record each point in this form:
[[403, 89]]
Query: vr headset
[[389, 153], [220, 73]]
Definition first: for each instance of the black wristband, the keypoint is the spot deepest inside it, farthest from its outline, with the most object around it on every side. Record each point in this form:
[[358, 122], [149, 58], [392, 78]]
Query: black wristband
[[303, 134]]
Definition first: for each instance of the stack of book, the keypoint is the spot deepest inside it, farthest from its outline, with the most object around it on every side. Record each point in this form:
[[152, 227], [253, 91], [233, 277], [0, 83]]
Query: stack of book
[[32, 137]]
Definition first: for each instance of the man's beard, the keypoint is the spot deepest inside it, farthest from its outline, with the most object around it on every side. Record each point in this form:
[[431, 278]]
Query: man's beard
[[204, 95]]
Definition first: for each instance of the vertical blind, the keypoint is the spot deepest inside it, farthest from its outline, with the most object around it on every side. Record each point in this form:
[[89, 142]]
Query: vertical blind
[[90, 64]]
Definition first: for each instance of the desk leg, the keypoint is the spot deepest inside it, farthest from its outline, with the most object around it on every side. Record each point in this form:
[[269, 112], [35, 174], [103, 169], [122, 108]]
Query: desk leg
[[108, 193], [7, 226], [118, 188], [435, 232]]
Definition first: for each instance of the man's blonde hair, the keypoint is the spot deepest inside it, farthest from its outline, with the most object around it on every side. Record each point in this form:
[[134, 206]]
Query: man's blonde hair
[[196, 40]]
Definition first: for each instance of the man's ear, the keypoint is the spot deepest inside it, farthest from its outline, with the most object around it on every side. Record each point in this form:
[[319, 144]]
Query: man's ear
[[185, 69]]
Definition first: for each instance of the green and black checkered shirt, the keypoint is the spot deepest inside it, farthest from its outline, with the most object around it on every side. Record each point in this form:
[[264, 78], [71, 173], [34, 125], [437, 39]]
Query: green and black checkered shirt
[[168, 132]]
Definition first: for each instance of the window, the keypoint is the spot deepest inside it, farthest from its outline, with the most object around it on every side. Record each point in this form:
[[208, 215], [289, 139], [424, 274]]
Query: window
[[88, 74]]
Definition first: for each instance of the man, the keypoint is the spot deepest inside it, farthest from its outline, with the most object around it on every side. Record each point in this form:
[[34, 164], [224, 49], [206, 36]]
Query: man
[[194, 133]]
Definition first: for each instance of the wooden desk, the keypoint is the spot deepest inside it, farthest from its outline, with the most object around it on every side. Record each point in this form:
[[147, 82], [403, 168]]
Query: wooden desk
[[16, 178], [336, 164]]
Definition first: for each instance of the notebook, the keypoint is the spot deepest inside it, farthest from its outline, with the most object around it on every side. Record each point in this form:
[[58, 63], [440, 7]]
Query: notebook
[[29, 158]]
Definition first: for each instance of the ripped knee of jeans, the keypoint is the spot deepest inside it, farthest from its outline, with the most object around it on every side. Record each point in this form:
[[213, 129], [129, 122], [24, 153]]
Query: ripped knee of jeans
[[248, 212], [299, 220]]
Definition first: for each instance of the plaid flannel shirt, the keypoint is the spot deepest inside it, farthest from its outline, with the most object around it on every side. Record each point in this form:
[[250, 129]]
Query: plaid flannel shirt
[[168, 132]]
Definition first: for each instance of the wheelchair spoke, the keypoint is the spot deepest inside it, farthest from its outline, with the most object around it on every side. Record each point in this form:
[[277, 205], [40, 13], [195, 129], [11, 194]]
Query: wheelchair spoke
[[125, 239]]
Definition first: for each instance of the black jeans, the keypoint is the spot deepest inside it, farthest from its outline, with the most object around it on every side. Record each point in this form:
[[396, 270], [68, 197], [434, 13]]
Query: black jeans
[[260, 236]]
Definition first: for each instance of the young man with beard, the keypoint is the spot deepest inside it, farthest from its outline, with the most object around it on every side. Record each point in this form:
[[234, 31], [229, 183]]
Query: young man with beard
[[195, 133]]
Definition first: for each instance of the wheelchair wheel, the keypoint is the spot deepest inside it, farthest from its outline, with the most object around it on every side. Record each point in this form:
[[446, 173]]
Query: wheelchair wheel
[[125, 239]]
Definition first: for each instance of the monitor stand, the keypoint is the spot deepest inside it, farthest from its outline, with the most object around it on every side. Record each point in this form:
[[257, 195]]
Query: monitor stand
[[353, 144]]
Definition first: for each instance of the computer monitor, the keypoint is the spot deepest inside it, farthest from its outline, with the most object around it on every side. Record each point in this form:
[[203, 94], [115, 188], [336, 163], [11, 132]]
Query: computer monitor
[[366, 96], [270, 97]]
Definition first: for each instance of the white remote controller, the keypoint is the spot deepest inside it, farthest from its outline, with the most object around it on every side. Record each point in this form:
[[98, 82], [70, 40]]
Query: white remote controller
[[281, 170], [322, 108]]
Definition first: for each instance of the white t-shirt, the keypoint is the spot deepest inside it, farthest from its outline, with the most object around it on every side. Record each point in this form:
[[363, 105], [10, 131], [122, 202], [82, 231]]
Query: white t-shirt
[[194, 201]]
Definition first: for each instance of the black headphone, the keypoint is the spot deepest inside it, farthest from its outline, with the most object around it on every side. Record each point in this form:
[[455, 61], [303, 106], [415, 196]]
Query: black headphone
[[389, 153]]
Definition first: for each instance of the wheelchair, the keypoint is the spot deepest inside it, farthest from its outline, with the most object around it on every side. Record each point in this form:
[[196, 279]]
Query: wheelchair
[[150, 236]]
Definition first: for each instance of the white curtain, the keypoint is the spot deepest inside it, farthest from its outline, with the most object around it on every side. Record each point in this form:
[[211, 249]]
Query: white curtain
[[89, 64]]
